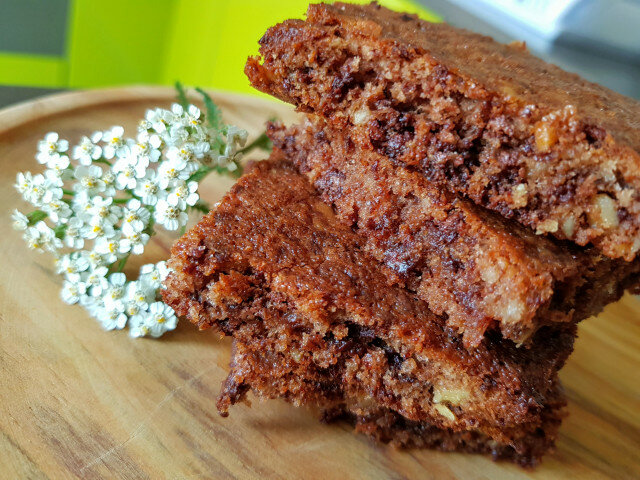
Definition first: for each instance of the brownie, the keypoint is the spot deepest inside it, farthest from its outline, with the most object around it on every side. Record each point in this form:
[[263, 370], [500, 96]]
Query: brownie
[[514, 134], [271, 365], [272, 264], [479, 269]]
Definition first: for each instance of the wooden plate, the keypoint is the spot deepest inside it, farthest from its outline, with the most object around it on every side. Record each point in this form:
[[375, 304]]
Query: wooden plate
[[78, 401]]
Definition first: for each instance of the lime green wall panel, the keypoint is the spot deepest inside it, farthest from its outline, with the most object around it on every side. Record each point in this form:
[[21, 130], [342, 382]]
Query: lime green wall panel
[[32, 70], [195, 35], [228, 32], [118, 41], [199, 42]]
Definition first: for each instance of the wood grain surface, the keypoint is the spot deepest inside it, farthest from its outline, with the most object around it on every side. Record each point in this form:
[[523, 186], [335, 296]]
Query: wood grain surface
[[78, 402]]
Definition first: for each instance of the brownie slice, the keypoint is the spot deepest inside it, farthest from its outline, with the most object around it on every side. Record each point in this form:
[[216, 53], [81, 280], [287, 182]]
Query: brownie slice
[[272, 365], [504, 128], [273, 262], [482, 271]]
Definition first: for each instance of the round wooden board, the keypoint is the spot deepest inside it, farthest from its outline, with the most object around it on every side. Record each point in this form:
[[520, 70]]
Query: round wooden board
[[76, 401]]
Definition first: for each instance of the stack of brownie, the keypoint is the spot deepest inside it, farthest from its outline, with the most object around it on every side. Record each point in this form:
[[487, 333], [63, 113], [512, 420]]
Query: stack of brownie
[[416, 253]]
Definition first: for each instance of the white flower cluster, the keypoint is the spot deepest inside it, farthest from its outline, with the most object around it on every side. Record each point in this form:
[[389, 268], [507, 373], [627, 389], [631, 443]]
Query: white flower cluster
[[98, 203]]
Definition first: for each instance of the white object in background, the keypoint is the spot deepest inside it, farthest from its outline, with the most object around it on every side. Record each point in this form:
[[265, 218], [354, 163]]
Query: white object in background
[[612, 25]]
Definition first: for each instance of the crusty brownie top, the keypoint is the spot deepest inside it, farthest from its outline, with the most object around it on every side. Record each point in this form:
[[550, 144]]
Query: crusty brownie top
[[509, 71]]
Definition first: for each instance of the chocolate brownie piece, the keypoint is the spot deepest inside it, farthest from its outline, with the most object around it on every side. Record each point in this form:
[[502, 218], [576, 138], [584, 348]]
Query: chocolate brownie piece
[[480, 269], [272, 365], [273, 262], [504, 128]]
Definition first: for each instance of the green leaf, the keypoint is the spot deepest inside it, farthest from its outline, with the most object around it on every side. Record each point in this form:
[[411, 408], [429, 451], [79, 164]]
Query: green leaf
[[60, 231], [199, 174], [181, 95], [35, 216], [214, 115]]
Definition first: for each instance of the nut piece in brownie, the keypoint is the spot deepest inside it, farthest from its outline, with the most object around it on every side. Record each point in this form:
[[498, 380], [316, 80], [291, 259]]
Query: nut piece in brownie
[[513, 133], [273, 261], [480, 269]]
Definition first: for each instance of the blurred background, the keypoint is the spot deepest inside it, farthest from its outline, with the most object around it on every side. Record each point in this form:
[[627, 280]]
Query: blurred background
[[52, 45]]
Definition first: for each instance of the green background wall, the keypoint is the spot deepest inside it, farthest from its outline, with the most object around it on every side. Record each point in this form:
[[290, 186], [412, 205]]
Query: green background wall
[[92, 43]]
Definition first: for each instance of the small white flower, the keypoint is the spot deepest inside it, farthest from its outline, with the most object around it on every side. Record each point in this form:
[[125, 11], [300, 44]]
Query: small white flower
[[138, 325], [41, 237], [135, 217], [138, 296], [236, 137], [50, 148], [72, 292], [177, 110], [111, 318], [103, 211], [159, 319], [158, 119], [87, 150], [23, 182], [108, 247], [20, 221], [109, 179], [169, 216], [34, 239], [133, 242], [128, 171], [114, 143], [183, 194], [95, 259], [33, 188], [148, 188], [147, 148], [72, 264], [96, 281], [73, 238], [57, 209], [201, 148], [153, 274], [81, 203], [114, 296], [98, 230], [180, 155], [57, 170], [89, 179], [192, 116], [175, 168]]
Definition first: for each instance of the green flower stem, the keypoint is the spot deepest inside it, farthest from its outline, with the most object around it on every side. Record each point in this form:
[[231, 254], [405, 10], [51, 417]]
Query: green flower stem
[[102, 160], [262, 142], [68, 192], [201, 207], [122, 263], [125, 200]]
